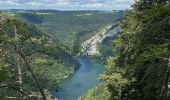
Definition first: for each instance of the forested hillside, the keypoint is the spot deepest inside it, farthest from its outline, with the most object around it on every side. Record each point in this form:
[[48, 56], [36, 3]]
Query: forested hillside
[[140, 69], [37, 48], [70, 27], [30, 60]]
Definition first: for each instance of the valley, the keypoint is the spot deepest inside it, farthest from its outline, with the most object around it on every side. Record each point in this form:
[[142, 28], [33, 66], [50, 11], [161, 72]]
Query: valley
[[87, 50], [70, 34], [83, 79]]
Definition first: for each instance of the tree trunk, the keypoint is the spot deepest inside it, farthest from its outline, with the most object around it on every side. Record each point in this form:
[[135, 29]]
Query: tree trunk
[[31, 71], [168, 81], [29, 68], [19, 77], [164, 94]]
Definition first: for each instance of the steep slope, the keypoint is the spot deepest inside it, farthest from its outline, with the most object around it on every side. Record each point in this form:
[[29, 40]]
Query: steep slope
[[139, 71], [90, 46], [98, 93], [66, 31], [48, 59], [102, 45], [70, 27]]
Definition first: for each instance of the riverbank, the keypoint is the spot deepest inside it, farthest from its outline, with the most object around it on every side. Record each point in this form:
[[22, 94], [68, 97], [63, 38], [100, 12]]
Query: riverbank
[[83, 79]]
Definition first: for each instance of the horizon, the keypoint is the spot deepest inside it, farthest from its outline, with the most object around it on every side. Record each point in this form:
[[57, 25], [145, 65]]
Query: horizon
[[56, 10], [66, 5]]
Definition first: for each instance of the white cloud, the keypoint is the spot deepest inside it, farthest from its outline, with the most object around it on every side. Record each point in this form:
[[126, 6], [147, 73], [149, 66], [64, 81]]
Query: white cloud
[[67, 4], [124, 1]]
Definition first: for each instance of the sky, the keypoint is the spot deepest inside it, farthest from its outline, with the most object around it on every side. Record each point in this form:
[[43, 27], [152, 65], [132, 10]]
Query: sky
[[67, 4]]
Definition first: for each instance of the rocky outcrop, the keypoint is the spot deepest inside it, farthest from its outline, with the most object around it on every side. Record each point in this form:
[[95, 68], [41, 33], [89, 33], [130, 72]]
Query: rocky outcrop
[[90, 47], [2, 18]]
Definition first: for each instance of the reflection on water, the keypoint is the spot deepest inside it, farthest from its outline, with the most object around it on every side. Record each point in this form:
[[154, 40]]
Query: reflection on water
[[83, 79]]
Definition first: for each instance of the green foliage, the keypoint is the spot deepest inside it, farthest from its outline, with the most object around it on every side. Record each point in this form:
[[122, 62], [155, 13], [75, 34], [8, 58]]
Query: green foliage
[[71, 28], [45, 55], [98, 93], [139, 66], [49, 54]]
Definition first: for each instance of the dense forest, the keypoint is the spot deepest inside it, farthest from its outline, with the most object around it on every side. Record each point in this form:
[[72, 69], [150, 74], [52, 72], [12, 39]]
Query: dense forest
[[37, 49], [23, 47], [70, 27], [140, 68]]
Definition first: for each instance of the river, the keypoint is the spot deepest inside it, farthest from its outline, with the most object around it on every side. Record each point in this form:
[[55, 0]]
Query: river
[[83, 79]]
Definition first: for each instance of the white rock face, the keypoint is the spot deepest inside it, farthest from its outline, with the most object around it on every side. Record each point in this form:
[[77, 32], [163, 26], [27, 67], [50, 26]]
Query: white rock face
[[90, 47], [2, 18]]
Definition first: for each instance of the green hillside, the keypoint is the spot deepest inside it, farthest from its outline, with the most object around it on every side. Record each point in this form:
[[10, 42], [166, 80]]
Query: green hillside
[[27, 48], [140, 68], [48, 39], [41, 48], [70, 27]]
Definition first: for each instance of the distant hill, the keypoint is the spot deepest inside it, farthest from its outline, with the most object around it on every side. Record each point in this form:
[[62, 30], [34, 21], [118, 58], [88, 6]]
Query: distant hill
[[70, 27]]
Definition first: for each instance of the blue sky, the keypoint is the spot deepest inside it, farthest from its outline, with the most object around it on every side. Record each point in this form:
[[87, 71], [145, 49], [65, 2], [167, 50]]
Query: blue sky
[[67, 4]]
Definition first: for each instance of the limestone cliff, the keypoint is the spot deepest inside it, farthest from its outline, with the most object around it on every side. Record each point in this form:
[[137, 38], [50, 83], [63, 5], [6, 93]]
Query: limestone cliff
[[90, 46]]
